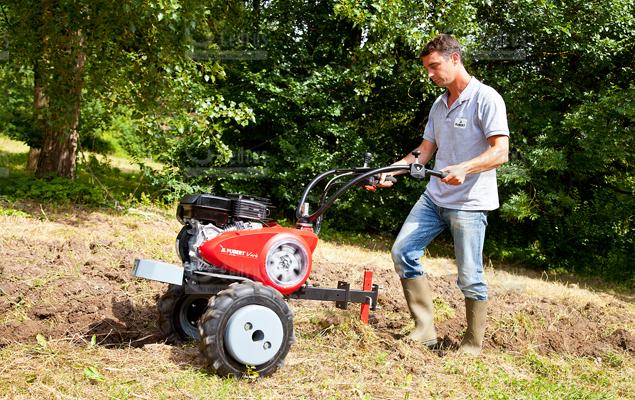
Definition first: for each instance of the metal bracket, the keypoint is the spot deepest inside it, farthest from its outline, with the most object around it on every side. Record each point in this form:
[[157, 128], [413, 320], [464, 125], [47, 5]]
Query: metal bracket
[[203, 288], [223, 276], [346, 287], [158, 271], [342, 295], [417, 171]]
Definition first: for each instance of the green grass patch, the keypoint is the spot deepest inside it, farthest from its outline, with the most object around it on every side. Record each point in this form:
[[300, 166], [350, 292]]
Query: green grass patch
[[11, 212], [442, 310], [97, 184], [11, 163], [533, 376]]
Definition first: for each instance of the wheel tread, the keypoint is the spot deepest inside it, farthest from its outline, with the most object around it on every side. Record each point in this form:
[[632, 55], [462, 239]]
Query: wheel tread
[[168, 307], [216, 316]]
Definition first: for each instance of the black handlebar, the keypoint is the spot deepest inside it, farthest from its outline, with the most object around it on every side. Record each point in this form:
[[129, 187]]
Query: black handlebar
[[415, 170]]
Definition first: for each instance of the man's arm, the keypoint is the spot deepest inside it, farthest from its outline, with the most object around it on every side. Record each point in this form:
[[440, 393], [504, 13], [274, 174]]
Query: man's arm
[[427, 150], [495, 156]]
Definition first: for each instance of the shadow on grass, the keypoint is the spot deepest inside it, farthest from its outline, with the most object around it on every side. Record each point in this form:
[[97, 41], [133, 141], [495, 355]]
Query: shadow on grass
[[133, 326], [11, 163], [137, 326]]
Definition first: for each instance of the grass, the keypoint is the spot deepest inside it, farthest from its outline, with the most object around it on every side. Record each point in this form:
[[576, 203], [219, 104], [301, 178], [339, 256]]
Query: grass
[[14, 155], [336, 357], [59, 254], [537, 377], [344, 363]]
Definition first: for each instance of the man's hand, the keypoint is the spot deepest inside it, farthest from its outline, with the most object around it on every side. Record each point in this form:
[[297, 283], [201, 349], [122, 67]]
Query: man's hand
[[493, 157], [456, 174], [383, 183]]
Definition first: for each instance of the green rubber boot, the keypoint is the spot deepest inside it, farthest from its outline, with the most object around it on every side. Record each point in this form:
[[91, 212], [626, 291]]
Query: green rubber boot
[[476, 314], [419, 298]]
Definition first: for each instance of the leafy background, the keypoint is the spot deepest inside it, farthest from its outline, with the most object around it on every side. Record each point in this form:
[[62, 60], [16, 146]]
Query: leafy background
[[258, 97]]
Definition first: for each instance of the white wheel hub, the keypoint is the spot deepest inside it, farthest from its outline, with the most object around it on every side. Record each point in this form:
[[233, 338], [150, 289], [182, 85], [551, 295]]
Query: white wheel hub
[[254, 335], [287, 263]]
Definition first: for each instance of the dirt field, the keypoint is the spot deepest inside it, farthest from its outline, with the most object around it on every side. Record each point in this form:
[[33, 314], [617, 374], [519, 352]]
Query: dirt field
[[69, 308]]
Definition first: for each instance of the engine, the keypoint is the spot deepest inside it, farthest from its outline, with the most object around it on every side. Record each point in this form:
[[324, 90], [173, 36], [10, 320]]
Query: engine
[[205, 216], [231, 238], [196, 233], [223, 211]]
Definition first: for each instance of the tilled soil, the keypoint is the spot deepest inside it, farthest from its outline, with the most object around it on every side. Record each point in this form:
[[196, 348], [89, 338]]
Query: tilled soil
[[70, 277], [89, 300], [517, 322]]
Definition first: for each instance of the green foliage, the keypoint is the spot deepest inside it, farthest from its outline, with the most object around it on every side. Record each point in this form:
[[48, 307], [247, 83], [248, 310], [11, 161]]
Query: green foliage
[[13, 213], [323, 97], [568, 191], [137, 55], [259, 97], [56, 190], [16, 110], [98, 184], [18, 118], [518, 207]]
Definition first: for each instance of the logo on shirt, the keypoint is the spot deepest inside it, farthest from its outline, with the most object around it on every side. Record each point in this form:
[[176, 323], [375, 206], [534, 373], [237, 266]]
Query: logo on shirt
[[460, 123]]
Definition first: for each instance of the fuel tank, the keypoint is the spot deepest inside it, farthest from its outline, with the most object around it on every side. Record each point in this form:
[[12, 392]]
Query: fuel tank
[[274, 255]]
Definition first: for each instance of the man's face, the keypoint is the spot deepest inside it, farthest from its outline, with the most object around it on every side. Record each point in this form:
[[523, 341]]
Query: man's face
[[441, 70]]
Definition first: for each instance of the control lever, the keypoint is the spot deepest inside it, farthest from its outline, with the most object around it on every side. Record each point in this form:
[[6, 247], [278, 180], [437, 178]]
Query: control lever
[[374, 180], [390, 178], [367, 158]]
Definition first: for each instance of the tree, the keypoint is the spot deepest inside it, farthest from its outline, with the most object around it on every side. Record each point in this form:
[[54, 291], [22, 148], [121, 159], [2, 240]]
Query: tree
[[566, 70], [340, 78], [290, 88], [125, 52]]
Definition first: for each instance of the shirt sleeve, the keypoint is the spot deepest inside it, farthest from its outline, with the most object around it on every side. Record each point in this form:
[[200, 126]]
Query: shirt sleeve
[[428, 132], [492, 115]]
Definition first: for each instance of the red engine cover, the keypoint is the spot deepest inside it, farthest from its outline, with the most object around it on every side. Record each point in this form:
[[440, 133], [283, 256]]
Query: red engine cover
[[276, 256]]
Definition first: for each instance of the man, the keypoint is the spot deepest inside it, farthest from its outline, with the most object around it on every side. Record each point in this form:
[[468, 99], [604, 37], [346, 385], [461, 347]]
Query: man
[[467, 129]]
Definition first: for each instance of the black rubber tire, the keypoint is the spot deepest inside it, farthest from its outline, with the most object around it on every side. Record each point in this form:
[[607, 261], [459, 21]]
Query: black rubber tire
[[213, 324], [179, 314]]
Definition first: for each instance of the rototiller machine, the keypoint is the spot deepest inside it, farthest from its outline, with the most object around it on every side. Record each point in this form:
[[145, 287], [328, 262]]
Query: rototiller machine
[[239, 266]]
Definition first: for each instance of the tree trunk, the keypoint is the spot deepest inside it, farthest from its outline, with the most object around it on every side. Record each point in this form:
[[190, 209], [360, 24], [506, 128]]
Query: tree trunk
[[31, 162], [64, 81], [40, 103], [58, 153]]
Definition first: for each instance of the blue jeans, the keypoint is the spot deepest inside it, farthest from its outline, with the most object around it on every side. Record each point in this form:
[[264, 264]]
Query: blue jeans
[[427, 220]]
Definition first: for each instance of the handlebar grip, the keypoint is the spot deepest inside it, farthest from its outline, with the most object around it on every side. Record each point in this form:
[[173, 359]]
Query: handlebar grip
[[438, 174]]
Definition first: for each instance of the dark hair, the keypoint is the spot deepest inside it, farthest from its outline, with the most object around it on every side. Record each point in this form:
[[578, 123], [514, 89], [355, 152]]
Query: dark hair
[[444, 44]]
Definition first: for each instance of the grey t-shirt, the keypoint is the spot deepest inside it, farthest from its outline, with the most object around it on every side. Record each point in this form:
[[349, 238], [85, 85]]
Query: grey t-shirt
[[460, 134]]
